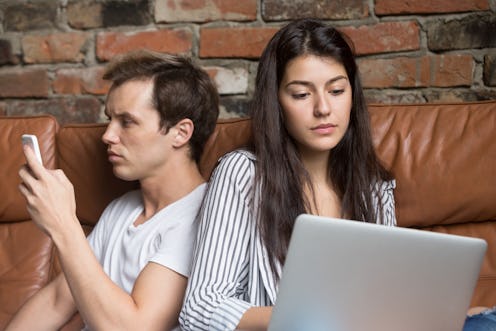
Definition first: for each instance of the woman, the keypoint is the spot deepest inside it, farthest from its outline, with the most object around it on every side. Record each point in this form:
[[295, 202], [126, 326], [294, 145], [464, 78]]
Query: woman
[[312, 153]]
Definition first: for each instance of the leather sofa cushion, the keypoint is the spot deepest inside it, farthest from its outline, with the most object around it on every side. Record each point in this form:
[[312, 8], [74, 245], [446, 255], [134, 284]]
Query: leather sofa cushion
[[25, 265], [443, 157], [12, 204]]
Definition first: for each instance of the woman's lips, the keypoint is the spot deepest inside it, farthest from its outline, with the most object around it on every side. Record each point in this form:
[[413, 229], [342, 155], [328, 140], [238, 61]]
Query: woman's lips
[[326, 128]]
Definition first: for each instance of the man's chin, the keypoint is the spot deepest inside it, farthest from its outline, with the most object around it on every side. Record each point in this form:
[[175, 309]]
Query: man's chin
[[124, 176]]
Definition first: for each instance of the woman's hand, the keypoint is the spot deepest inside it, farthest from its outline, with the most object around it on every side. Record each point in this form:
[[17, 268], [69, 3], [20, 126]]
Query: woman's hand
[[476, 310]]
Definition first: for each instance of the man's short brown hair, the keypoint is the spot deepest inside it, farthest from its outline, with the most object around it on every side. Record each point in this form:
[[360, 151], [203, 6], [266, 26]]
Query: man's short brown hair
[[181, 90]]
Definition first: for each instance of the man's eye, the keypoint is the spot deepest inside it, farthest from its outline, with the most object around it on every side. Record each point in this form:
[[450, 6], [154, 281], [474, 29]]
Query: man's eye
[[126, 122]]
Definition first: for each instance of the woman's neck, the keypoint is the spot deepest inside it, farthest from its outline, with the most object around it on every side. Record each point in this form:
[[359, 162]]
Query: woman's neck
[[317, 166], [322, 197]]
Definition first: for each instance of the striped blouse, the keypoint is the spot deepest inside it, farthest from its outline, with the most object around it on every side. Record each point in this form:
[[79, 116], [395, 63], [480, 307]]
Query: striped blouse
[[231, 270]]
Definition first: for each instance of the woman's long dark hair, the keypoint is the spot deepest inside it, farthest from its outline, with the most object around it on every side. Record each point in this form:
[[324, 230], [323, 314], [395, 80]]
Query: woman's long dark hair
[[354, 169]]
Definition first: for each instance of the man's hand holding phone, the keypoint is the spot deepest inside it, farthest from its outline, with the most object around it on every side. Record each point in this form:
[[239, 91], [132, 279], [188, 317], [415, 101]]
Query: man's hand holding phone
[[49, 194], [31, 141]]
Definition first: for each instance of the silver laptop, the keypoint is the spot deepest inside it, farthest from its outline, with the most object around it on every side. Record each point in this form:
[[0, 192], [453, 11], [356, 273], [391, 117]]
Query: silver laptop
[[344, 275]]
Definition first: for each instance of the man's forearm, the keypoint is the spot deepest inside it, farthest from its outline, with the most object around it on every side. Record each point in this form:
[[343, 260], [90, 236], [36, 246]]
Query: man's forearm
[[101, 303], [48, 309]]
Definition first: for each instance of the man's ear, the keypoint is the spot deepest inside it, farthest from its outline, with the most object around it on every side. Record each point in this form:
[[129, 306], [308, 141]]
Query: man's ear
[[183, 131]]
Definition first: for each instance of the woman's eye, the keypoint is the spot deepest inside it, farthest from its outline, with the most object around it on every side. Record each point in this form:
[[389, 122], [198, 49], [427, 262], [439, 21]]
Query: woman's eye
[[336, 91], [300, 95]]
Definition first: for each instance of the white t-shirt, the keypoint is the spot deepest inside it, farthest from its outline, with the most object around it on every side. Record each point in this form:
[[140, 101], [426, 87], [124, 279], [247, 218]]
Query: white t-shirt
[[167, 238]]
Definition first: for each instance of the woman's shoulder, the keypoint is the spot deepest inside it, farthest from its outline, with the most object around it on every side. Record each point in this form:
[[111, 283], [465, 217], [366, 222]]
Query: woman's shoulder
[[238, 165], [240, 155], [237, 160]]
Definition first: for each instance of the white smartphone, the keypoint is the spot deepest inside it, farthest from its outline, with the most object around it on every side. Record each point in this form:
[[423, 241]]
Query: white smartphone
[[31, 140]]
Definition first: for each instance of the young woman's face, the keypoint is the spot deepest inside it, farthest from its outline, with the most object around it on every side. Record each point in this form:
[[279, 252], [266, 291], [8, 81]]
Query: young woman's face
[[316, 97]]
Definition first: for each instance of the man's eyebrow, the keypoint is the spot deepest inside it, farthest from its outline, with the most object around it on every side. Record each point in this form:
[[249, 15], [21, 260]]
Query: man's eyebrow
[[118, 114], [306, 83]]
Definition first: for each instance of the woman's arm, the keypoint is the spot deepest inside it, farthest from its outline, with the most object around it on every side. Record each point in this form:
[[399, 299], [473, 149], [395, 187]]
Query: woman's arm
[[255, 319], [218, 283], [385, 197]]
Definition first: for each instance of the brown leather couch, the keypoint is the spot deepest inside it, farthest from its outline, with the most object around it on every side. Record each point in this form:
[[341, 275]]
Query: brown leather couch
[[442, 155]]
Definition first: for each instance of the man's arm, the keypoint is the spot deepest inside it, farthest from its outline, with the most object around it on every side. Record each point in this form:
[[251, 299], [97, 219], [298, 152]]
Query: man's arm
[[156, 299], [154, 303], [48, 309]]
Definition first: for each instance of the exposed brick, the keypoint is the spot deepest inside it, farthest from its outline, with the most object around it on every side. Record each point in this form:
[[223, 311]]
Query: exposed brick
[[57, 47], [276, 10], [436, 71], [229, 81], [393, 97], [131, 12], [205, 10], [234, 106], [234, 42], [110, 44], [384, 37], [22, 83], [80, 81], [490, 70], [84, 14], [393, 7], [456, 95], [451, 70], [474, 31], [397, 72], [6, 53], [30, 16], [66, 110]]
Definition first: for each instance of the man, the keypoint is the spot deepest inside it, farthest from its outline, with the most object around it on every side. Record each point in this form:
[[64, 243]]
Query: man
[[131, 272]]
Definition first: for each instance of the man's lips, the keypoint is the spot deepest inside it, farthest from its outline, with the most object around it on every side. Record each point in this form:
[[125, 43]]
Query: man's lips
[[112, 156]]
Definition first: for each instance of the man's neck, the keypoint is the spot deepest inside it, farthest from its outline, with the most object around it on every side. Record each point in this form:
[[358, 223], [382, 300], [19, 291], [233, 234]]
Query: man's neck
[[174, 182]]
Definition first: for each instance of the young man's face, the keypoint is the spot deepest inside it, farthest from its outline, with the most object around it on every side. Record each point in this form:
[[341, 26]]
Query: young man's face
[[137, 147]]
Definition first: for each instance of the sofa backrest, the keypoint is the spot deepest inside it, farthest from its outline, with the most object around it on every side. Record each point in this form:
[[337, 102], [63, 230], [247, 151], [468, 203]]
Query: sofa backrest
[[25, 252]]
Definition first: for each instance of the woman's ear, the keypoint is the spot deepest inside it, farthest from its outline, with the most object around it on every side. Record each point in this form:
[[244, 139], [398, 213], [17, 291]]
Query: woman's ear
[[183, 131]]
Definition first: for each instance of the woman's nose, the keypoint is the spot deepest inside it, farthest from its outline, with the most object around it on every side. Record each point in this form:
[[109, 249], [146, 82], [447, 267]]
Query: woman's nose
[[322, 105]]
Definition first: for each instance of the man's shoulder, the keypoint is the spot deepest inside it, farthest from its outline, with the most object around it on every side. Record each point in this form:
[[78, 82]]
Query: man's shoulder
[[131, 199]]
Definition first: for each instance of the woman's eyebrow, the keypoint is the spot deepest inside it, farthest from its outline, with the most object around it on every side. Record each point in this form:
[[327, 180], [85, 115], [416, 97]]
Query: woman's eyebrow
[[307, 83]]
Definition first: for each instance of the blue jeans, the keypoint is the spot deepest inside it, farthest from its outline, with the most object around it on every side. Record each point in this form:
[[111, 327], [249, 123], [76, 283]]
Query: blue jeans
[[485, 321]]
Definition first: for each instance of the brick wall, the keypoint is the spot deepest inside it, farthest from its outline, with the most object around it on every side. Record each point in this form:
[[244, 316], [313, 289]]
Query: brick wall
[[52, 52]]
